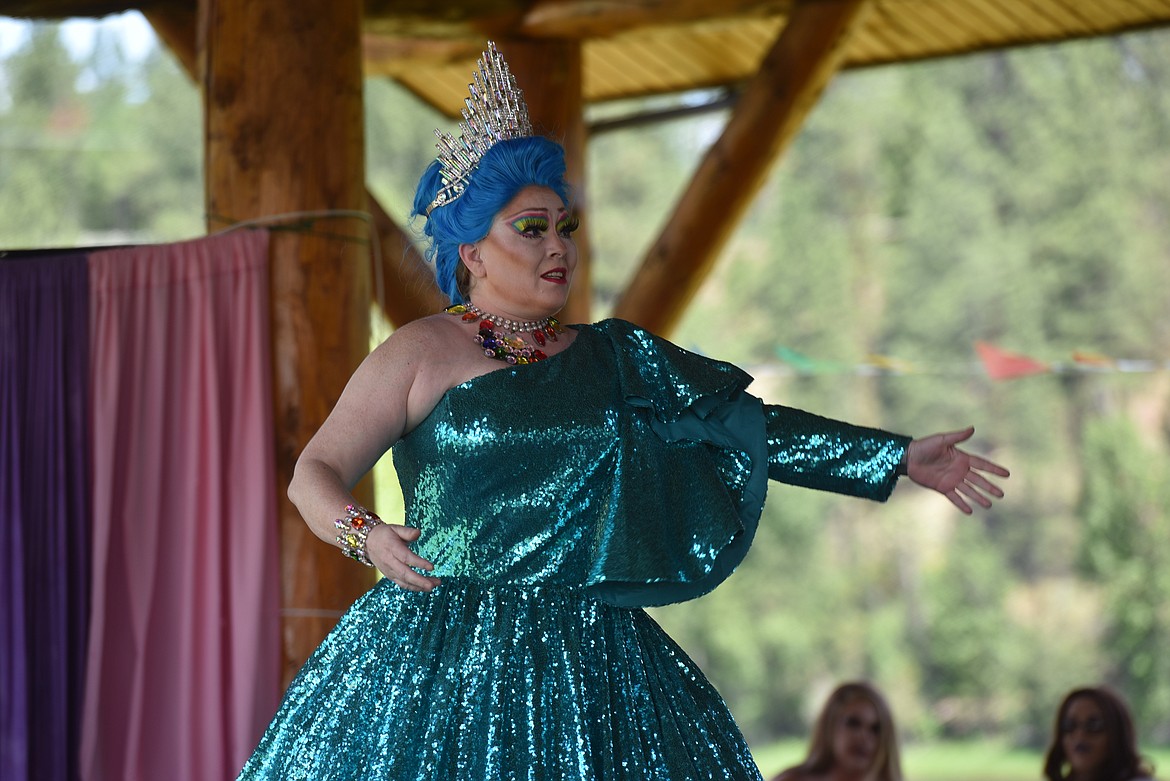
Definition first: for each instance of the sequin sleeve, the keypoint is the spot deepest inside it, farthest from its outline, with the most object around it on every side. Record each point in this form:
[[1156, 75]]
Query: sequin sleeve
[[694, 478], [816, 452]]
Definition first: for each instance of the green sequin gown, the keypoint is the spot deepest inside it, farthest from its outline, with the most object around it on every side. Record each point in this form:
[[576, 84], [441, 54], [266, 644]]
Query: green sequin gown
[[556, 500]]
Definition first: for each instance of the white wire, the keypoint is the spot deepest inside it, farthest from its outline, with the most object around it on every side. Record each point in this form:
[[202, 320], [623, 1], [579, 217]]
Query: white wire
[[375, 243]]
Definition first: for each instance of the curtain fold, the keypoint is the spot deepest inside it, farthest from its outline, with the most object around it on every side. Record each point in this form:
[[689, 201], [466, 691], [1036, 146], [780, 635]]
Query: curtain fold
[[44, 513], [183, 652]]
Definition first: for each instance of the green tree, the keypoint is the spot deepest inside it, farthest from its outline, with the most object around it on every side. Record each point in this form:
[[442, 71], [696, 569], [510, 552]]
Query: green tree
[[38, 142], [968, 636], [1125, 506], [101, 150]]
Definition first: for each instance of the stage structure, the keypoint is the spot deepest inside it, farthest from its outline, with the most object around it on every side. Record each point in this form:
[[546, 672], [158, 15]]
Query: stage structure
[[281, 84]]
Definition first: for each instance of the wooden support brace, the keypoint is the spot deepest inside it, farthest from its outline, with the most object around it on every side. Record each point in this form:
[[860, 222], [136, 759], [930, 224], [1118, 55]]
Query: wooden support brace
[[404, 285], [775, 102]]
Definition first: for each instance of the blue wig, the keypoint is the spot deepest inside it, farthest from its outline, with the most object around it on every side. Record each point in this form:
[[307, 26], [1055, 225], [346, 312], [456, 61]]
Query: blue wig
[[506, 169]]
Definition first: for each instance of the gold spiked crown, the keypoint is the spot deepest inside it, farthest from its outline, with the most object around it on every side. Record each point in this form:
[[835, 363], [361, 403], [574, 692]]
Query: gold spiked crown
[[495, 111]]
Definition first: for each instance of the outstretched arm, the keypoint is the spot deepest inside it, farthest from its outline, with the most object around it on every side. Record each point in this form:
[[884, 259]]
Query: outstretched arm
[[809, 450], [935, 462], [831, 455]]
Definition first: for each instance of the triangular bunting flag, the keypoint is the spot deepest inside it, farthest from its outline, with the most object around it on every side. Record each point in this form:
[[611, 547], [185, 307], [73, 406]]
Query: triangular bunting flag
[[1093, 359], [894, 365], [1005, 365], [803, 364]]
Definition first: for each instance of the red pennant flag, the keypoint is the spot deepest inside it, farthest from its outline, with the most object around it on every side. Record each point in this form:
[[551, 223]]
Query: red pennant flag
[[1003, 365]]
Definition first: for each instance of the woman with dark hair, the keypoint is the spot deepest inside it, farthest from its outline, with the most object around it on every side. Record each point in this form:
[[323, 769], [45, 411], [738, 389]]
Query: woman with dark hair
[[854, 739], [556, 480], [1094, 739]]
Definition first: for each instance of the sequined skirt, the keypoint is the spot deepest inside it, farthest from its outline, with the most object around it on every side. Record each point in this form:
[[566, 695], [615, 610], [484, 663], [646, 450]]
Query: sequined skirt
[[474, 682]]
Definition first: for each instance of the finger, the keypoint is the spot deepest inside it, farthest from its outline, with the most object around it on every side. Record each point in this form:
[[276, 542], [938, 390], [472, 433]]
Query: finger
[[974, 495], [983, 484], [416, 582], [402, 585], [412, 559], [401, 553], [983, 465], [406, 559], [407, 586], [413, 581], [957, 501], [954, 437], [423, 582]]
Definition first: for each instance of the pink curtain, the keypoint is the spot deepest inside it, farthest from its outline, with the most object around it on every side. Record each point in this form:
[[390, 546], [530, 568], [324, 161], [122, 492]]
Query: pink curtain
[[183, 670]]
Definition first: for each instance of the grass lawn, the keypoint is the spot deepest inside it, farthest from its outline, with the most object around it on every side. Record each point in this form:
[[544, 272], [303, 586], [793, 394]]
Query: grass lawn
[[966, 761]]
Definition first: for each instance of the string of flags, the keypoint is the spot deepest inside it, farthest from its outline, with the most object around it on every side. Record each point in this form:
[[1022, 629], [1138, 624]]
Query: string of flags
[[996, 363], [1001, 364]]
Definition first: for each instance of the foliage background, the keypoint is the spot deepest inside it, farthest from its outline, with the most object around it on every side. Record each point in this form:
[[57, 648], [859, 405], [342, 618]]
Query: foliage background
[[1020, 198]]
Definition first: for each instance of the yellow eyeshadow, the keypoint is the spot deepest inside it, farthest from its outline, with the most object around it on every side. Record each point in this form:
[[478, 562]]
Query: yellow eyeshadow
[[528, 222], [568, 224]]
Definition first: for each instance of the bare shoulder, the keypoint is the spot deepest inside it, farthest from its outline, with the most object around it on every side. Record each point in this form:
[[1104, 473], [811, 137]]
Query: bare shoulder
[[421, 361], [416, 350], [416, 338]]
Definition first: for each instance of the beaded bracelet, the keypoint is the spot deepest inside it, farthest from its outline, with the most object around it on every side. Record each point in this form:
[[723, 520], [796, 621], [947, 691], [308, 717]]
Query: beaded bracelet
[[355, 527]]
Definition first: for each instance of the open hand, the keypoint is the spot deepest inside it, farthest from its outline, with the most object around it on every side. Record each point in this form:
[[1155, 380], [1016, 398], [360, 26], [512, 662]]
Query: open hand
[[387, 548], [935, 462]]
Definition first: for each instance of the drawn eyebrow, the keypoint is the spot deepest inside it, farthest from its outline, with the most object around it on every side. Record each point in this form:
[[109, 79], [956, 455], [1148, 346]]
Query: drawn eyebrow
[[533, 212]]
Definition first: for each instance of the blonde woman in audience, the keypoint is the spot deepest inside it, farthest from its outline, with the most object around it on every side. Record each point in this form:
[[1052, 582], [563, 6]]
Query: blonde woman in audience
[[853, 740]]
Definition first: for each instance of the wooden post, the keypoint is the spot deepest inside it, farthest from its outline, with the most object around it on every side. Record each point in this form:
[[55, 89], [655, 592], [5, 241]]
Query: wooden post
[[283, 112], [767, 117], [549, 72], [407, 287]]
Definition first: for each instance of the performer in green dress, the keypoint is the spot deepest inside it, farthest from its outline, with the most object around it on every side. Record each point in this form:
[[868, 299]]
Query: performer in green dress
[[557, 479]]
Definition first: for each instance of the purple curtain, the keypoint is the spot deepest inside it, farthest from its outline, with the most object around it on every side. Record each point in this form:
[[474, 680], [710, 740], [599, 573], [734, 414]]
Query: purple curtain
[[44, 512]]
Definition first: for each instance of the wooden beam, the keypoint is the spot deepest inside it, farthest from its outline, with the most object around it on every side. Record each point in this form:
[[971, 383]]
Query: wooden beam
[[396, 40], [176, 26], [63, 9], [601, 18], [444, 18], [386, 55], [283, 113], [553, 19], [807, 53], [549, 72]]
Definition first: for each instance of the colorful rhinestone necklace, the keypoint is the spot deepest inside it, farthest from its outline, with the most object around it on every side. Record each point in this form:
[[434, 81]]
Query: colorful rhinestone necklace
[[502, 338]]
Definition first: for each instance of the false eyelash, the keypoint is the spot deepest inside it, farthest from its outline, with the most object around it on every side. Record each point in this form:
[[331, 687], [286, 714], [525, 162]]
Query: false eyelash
[[568, 224]]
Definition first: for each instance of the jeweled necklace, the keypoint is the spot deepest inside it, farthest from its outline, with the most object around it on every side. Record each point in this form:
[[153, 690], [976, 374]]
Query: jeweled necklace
[[503, 339]]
